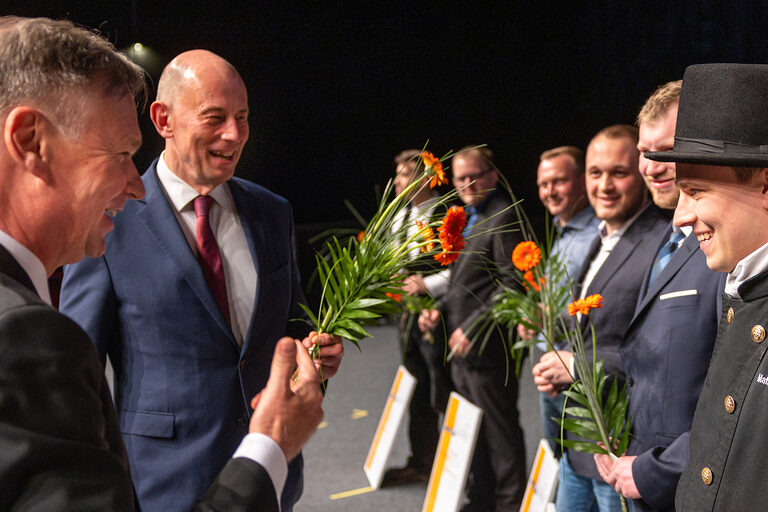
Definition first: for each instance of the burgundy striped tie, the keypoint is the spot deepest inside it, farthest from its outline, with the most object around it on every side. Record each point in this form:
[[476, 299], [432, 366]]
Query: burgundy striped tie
[[208, 254]]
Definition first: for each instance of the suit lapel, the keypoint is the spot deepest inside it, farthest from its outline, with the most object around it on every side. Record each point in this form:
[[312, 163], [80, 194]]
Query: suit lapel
[[251, 218], [10, 267], [157, 216], [682, 255]]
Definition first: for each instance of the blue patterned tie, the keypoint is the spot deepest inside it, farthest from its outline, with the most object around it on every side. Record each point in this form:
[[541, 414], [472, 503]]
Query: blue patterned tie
[[471, 213], [665, 253]]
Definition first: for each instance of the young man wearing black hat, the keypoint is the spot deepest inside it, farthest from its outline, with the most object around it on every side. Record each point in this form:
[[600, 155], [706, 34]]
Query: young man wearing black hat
[[721, 150]]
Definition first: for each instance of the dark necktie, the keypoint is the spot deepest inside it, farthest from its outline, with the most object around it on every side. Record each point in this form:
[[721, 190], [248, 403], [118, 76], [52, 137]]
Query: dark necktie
[[665, 253], [208, 254]]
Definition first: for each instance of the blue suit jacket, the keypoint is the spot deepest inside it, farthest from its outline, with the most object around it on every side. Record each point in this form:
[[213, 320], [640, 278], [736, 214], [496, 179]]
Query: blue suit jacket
[[619, 281], [182, 383], [665, 354]]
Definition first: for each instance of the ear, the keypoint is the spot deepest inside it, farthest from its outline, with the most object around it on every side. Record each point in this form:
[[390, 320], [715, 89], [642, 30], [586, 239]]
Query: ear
[[160, 113], [763, 175], [22, 135]]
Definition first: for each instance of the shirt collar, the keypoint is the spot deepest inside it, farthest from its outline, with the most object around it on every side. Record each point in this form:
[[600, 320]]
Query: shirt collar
[[579, 221], [749, 267], [181, 194], [30, 263], [616, 235]]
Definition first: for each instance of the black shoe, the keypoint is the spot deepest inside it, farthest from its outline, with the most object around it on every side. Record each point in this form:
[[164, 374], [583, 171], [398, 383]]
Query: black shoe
[[405, 475]]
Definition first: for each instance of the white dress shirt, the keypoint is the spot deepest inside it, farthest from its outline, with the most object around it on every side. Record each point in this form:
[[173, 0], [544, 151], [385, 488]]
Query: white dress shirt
[[752, 265], [239, 269], [240, 276], [30, 263]]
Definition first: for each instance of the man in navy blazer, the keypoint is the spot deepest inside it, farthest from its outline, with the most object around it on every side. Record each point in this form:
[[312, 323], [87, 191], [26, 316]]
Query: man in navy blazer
[[668, 345], [186, 360], [68, 118], [628, 231]]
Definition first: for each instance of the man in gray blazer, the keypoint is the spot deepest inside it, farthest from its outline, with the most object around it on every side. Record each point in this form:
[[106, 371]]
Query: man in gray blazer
[[666, 350], [68, 116]]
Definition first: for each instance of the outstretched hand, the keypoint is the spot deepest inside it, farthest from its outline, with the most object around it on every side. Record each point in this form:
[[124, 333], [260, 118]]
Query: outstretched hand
[[329, 355], [288, 411]]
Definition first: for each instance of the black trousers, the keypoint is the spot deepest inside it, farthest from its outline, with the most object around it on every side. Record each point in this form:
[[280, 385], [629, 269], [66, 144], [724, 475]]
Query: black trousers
[[424, 360], [498, 473]]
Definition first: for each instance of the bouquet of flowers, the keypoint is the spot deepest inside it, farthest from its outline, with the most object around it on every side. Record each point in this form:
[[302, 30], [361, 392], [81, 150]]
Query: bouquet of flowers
[[362, 278]]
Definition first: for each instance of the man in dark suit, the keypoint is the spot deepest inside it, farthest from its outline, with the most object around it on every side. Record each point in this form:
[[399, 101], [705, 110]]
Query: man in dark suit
[[190, 339], [627, 241], [721, 160], [666, 350], [497, 479], [69, 126]]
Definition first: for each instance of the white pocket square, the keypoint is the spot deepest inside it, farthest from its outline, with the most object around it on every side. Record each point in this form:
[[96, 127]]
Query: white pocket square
[[681, 293]]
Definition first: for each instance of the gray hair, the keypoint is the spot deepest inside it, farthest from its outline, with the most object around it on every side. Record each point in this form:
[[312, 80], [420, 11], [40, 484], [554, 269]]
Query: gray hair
[[54, 65]]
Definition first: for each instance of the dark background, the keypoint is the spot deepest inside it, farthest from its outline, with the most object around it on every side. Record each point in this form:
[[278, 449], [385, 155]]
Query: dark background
[[336, 89]]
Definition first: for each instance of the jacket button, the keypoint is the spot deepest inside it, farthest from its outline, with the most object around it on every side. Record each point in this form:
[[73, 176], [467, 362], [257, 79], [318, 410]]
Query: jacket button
[[729, 315], [242, 422], [730, 404], [706, 476], [758, 333]]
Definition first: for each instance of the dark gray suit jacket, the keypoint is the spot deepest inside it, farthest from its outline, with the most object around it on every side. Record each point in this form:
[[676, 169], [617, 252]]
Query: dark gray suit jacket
[[60, 445], [618, 281]]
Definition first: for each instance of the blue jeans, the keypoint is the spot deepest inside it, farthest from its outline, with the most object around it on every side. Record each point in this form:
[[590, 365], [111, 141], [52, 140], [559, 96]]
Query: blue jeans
[[576, 493]]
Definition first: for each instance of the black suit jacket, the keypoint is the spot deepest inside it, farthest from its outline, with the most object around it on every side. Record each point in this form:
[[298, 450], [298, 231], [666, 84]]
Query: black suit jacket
[[618, 281], [60, 445], [482, 268]]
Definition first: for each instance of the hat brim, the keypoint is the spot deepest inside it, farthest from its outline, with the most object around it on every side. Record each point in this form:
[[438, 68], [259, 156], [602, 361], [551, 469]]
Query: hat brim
[[694, 157]]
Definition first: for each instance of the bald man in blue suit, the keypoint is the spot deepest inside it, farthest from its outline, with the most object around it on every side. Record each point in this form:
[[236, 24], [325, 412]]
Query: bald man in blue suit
[[187, 360]]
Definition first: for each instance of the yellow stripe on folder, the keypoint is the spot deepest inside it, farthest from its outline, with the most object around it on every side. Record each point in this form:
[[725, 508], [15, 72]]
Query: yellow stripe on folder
[[384, 417], [442, 453]]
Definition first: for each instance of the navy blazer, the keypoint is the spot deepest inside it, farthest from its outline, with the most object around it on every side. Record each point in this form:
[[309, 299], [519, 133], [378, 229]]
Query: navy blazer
[[619, 281], [182, 383], [665, 354]]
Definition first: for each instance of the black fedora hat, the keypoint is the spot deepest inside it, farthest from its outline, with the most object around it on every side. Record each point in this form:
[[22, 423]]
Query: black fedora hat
[[722, 118]]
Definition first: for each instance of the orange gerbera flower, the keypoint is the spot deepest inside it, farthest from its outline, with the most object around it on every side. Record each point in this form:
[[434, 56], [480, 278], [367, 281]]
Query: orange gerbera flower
[[584, 305], [360, 236], [397, 297], [529, 279], [432, 163], [450, 235], [428, 235], [526, 256]]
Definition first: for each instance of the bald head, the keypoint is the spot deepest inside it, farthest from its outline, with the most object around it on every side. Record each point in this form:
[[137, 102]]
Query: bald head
[[189, 68], [202, 113]]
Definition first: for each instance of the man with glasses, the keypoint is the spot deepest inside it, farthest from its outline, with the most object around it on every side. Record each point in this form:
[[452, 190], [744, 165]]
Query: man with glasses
[[480, 371]]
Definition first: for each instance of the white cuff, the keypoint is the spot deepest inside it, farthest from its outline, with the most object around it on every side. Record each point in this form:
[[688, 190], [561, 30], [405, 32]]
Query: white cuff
[[437, 284], [263, 450], [572, 367]]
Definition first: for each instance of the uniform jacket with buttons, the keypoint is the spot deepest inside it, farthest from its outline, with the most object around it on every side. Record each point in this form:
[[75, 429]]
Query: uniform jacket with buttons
[[665, 355], [183, 385], [729, 440]]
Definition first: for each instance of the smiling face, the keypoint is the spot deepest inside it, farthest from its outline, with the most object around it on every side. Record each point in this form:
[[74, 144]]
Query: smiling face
[[207, 124], [659, 176], [561, 187], [93, 175], [614, 186], [729, 218]]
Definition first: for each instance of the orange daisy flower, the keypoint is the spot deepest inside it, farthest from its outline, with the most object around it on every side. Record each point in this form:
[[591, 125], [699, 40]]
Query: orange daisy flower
[[526, 256], [431, 162], [450, 235], [528, 279], [584, 305], [397, 297], [360, 236], [428, 235]]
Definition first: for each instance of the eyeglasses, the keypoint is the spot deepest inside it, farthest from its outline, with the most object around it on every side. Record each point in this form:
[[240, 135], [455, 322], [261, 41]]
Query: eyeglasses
[[470, 177]]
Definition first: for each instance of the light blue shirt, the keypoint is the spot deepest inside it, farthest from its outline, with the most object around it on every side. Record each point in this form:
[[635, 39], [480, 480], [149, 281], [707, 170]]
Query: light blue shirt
[[572, 244]]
